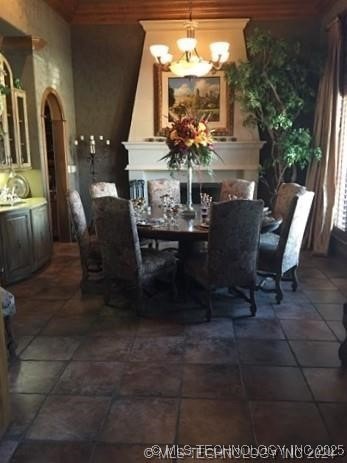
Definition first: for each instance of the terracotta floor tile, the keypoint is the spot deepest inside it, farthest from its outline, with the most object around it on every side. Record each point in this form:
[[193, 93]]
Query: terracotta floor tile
[[275, 383], [325, 297], [338, 329], [115, 326], [319, 284], [51, 348], [78, 306], [330, 311], [104, 349], [210, 350], [52, 452], [71, 418], [307, 330], [316, 353], [27, 327], [265, 351], [327, 384], [57, 292], [34, 377], [24, 408], [216, 328], [90, 378], [335, 416], [288, 423], [34, 308], [299, 311], [108, 453], [152, 379], [139, 420], [212, 381], [58, 326], [258, 329], [217, 421], [22, 342], [158, 349], [7, 448], [160, 328]]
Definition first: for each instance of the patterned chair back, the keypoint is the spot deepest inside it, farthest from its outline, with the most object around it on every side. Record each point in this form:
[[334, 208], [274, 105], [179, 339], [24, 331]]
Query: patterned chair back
[[239, 188], [163, 186], [78, 218], [118, 239], [292, 231], [233, 243], [284, 197], [101, 189]]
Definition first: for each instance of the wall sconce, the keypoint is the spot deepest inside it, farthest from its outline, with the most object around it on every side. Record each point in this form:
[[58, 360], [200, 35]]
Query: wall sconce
[[94, 144]]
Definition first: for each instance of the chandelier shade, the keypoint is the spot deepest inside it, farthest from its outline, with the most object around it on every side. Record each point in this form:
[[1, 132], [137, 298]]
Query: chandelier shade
[[190, 64]]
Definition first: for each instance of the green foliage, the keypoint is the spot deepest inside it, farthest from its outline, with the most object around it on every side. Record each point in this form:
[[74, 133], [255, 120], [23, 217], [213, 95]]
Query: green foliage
[[274, 88]]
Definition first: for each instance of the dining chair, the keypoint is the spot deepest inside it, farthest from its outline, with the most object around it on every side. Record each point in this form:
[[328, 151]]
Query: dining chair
[[100, 189], [237, 188], [124, 262], [280, 254], [284, 197], [8, 308], [90, 256], [231, 259], [163, 186]]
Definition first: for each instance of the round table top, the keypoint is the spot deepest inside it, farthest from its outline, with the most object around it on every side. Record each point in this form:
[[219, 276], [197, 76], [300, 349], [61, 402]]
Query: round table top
[[188, 228]]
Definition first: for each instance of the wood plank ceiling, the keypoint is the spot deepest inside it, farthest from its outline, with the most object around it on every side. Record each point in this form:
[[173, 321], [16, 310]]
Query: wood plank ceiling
[[131, 11]]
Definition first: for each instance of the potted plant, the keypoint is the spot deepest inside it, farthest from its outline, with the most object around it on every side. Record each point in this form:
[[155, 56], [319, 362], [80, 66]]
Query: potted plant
[[276, 88]]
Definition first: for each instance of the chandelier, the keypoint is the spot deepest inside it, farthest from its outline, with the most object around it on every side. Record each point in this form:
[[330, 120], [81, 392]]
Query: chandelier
[[190, 63]]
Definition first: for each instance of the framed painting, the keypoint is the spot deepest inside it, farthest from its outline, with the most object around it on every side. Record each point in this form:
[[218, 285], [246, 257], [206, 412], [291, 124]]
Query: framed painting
[[207, 96]]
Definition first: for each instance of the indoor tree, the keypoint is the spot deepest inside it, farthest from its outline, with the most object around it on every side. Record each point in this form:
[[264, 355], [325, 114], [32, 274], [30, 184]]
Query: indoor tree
[[276, 87]]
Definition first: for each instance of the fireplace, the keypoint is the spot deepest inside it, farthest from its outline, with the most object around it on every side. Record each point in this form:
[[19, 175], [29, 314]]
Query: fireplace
[[238, 151]]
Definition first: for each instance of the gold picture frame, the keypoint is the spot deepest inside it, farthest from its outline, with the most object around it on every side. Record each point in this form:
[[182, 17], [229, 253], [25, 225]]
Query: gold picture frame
[[208, 95]]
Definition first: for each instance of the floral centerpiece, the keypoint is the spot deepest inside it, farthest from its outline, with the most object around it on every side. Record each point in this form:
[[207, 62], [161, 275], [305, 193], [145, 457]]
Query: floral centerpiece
[[191, 145]]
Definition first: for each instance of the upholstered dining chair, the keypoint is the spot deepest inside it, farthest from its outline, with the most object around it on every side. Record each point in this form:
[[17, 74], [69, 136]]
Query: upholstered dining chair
[[124, 262], [237, 188], [8, 308], [100, 189], [163, 186], [90, 256], [280, 254], [284, 197], [231, 259]]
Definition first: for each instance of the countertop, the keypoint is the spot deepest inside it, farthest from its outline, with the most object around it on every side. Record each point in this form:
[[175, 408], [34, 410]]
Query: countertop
[[28, 203]]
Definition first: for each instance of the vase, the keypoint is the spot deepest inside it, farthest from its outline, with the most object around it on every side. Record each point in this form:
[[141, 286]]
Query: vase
[[189, 211]]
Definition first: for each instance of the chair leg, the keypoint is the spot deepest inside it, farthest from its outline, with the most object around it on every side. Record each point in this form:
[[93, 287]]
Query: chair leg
[[279, 293], [253, 302], [294, 278], [10, 341], [209, 306]]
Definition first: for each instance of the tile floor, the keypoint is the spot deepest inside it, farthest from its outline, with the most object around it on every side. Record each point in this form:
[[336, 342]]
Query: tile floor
[[94, 384]]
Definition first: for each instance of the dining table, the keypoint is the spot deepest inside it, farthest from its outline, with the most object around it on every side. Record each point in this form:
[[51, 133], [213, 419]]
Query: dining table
[[188, 232]]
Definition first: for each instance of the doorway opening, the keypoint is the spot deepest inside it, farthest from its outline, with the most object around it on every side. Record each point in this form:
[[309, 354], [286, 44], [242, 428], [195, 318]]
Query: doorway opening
[[56, 165]]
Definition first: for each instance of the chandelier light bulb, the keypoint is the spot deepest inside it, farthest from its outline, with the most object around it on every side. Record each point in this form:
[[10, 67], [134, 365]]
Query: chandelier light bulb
[[186, 44], [159, 51], [219, 48]]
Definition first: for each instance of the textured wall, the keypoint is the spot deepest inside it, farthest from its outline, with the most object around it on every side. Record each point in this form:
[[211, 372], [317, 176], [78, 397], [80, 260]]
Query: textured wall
[[105, 63], [50, 67]]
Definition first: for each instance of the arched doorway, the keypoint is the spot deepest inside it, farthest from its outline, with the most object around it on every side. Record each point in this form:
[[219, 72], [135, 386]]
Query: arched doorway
[[55, 163]]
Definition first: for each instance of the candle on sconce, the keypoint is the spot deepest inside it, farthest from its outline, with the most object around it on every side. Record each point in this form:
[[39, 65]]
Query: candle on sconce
[[101, 137], [108, 142], [91, 137], [76, 142], [82, 137]]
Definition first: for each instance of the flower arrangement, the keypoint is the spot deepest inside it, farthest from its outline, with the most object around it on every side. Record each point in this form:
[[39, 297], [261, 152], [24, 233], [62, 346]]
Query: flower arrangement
[[190, 142]]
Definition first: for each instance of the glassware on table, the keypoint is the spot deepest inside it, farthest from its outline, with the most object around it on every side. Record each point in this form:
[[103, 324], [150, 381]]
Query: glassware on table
[[205, 204], [170, 209], [139, 205]]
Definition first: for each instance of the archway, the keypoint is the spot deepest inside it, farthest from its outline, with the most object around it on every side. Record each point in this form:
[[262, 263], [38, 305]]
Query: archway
[[55, 163]]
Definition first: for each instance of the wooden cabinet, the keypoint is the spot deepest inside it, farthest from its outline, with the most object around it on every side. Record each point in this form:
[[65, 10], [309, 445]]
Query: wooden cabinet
[[16, 238], [14, 141], [25, 239], [41, 239]]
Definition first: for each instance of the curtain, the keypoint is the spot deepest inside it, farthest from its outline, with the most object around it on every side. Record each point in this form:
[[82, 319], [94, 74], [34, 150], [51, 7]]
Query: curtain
[[322, 175]]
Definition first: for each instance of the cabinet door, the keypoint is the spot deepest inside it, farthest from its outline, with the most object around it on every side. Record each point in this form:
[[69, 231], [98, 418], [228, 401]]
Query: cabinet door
[[41, 237], [16, 232]]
